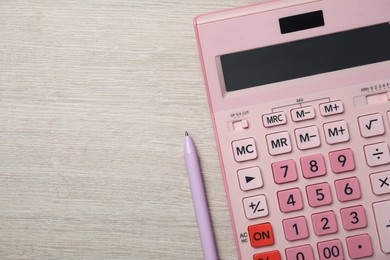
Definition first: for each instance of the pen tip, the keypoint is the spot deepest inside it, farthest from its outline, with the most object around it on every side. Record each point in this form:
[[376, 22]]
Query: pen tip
[[186, 133]]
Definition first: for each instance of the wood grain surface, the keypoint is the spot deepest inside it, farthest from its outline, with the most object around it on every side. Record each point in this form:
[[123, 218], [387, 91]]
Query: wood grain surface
[[95, 97]]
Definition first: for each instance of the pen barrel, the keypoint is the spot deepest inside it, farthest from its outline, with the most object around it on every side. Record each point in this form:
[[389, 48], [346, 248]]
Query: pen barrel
[[201, 207]]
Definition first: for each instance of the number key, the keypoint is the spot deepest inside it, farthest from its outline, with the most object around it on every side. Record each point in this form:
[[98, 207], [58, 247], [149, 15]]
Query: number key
[[324, 223], [313, 166], [319, 194], [342, 161], [331, 249], [284, 171], [348, 189]]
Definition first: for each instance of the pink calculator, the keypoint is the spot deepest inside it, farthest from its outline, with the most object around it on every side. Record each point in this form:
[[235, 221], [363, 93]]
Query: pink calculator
[[299, 95]]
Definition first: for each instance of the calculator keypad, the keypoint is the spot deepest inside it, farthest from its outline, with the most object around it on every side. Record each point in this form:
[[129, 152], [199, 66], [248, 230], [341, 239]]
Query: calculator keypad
[[290, 200], [295, 228], [331, 249], [300, 252], [313, 166], [324, 223], [319, 194], [371, 125]]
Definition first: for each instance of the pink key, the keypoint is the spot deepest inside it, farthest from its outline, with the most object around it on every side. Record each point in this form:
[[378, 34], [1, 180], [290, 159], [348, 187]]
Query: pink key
[[324, 223], [290, 200], [295, 228], [353, 218], [319, 194], [342, 161], [348, 189], [300, 252], [359, 246], [313, 166], [330, 250], [284, 171]]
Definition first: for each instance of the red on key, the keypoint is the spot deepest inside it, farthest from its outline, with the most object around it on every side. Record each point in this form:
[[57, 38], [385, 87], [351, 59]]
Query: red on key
[[261, 235], [271, 255]]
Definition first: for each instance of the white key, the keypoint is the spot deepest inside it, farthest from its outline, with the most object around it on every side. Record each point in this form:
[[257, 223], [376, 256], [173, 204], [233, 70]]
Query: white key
[[279, 143], [331, 108], [303, 113], [255, 207], [377, 154], [371, 125], [382, 216], [380, 182]]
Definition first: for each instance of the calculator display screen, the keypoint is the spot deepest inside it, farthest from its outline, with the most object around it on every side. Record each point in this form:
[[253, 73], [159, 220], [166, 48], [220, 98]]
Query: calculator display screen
[[306, 57]]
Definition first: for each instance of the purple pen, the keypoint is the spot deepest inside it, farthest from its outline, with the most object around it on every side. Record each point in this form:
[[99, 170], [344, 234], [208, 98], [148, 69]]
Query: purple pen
[[199, 198]]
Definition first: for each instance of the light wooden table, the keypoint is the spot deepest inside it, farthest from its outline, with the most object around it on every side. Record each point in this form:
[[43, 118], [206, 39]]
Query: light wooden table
[[95, 97]]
